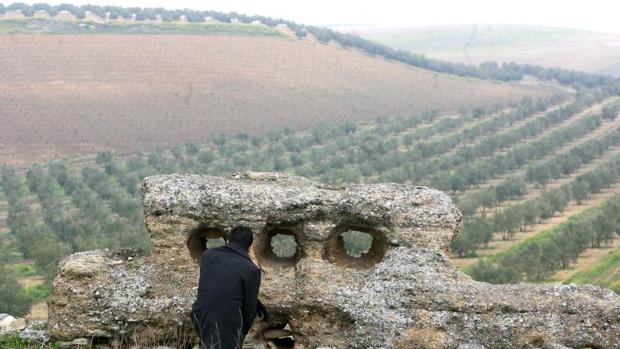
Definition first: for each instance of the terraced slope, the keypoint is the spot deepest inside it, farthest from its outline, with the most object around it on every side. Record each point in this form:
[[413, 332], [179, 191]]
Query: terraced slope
[[93, 202], [590, 258], [605, 273], [538, 257], [64, 95], [498, 244]]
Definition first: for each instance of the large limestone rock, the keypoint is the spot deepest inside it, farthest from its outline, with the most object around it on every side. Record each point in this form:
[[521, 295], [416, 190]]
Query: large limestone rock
[[403, 293]]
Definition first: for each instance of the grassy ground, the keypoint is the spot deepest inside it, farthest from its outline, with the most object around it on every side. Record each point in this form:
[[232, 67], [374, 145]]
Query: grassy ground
[[12, 341], [606, 273]]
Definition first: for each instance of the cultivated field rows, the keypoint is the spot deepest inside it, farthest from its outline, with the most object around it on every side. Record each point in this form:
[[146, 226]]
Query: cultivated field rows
[[532, 190], [457, 131], [517, 124], [605, 127], [535, 190], [587, 259], [498, 245], [111, 181], [498, 152], [552, 128]]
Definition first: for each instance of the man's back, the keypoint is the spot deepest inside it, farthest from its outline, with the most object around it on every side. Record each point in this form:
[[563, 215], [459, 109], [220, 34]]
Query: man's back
[[227, 296]]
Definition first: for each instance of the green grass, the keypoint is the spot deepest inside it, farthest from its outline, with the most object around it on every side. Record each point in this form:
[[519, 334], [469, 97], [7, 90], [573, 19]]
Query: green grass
[[606, 273], [47, 26], [39, 292], [24, 269], [13, 341]]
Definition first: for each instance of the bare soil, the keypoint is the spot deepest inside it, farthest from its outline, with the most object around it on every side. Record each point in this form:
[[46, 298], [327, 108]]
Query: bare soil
[[64, 95], [38, 312]]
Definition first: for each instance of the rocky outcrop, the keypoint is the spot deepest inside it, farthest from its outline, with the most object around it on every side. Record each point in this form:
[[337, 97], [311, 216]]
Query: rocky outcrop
[[402, 293], [33, 331], [9, 323]]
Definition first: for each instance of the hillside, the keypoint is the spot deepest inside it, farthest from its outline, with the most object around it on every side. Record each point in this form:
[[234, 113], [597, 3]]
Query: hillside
[[558, 157], [605, 273], [547, 46], [70, 94], [100, 105]]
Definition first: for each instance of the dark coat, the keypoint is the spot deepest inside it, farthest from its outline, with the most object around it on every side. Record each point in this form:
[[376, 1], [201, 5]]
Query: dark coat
[[227, 297]]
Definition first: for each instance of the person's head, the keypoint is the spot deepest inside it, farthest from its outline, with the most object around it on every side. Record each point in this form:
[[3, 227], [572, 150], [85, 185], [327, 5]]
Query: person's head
[[241, 236]]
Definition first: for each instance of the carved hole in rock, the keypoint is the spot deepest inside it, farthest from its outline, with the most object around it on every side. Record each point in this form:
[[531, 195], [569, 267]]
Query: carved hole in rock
[[217, 242], [284, 246], [356, 247], [356, 243], [203, 238], [277, 246]]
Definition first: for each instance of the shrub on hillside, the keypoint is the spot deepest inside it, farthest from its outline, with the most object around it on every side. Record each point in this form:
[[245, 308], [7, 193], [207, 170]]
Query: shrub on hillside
[[610, 112], [13, 299]]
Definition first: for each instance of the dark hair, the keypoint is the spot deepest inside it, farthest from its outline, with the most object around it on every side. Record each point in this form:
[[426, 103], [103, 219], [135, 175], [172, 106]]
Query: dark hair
[[242, 236]]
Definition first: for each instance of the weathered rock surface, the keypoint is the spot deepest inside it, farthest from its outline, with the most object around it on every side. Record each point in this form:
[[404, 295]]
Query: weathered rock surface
[[33, 331], [9, 323], [5, 321], [404, 293]]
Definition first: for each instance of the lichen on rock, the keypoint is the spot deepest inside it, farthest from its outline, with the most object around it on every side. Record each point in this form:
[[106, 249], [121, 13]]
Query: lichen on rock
[[403, 293]]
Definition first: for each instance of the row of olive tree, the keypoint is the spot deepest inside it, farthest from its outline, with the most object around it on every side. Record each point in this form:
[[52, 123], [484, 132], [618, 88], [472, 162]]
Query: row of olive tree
[[468, 174], [562, 164], [538, 258], [479, 230], [13, 298], [463, 172], [98, 205]]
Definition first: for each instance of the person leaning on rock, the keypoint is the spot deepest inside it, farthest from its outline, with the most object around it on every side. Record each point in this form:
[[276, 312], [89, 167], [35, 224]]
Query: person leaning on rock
[[227, 300]]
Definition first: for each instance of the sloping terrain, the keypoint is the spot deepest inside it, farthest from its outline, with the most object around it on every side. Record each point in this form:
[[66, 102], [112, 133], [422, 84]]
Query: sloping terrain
[[93, 202], [547, 46], [605, 273], [63, 95]]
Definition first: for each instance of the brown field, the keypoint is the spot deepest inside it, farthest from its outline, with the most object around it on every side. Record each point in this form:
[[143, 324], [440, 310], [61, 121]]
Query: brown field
[[64, 95]]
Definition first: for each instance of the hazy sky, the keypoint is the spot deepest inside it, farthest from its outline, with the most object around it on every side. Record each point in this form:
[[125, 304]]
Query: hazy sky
[[596, 15]]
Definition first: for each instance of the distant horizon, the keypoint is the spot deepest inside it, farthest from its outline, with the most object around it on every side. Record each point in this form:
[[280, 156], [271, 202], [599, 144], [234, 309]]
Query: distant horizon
[[456, 25], [596, 15]]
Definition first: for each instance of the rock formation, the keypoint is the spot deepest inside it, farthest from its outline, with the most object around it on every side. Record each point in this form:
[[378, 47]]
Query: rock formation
[[403, 293], [33, 331]]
